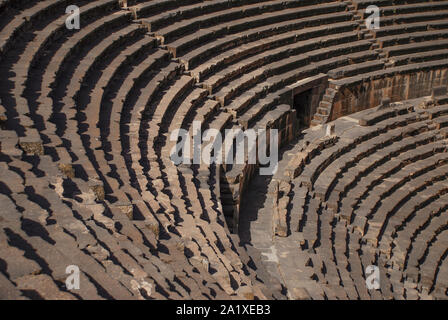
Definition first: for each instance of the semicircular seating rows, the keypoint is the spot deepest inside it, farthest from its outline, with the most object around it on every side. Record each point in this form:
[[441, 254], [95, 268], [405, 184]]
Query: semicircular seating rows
[[374, 193], [86, 116]]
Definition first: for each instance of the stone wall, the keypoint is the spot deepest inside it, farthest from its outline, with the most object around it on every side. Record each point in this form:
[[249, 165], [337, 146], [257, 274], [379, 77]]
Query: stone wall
[[318, 84], [364, 95], [235, 181]]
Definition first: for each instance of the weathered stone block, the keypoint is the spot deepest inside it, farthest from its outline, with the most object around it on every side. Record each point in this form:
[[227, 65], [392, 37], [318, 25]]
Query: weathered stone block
[[32, 146], [245, 292], [439, 91], [67, 170], [126, 208], [98, 189]]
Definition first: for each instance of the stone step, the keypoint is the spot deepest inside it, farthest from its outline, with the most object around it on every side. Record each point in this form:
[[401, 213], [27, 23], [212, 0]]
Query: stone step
[[323, 111]]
